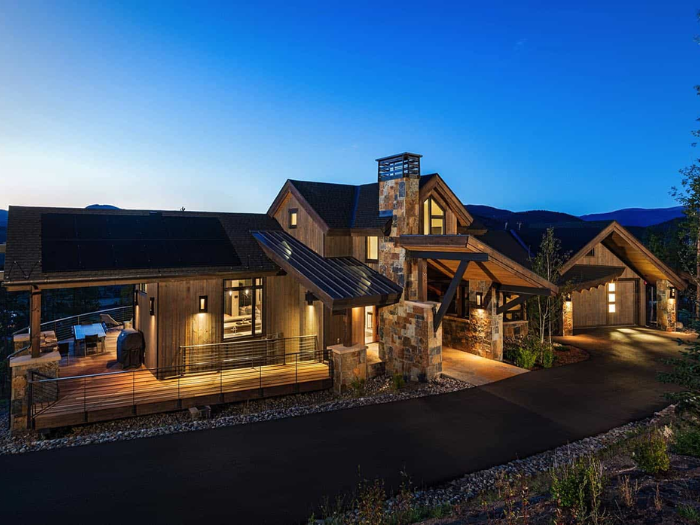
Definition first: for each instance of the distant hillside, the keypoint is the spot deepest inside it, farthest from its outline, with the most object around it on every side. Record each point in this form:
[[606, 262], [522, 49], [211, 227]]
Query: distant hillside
[[637, 216], [101, 207], [497, 218]]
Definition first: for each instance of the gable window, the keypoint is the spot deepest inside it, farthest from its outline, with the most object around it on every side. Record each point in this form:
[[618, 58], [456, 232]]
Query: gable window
[[372, 248], [293, 218], [433, 218]]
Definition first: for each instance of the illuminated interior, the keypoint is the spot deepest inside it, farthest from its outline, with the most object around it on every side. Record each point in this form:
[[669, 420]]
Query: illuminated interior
[[243, 304], [611, 298], [372, 248], [433, 218]]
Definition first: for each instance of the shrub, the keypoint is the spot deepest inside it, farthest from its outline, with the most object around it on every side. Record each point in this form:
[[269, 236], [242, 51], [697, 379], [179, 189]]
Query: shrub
[[398, 381], [687, 442], [650, 453], [357, 385], [371, 499], [525, 357], [578, 487], [547, 358]]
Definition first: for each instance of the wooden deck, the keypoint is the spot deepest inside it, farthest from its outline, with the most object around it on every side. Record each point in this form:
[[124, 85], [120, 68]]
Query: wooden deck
[[114, 394]]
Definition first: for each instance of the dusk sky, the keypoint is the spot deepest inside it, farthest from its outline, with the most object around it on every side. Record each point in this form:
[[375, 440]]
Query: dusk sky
[[577, 108]]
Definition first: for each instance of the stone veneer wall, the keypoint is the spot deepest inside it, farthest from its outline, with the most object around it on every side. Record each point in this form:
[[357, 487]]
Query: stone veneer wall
[[349, 364], [482, 333], [666, 307], [567, 321], [514, 329], [19, 401], [410, 345]]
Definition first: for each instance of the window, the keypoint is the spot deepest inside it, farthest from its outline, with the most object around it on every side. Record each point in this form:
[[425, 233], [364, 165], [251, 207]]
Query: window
[[517, 313], [611, 298], [243, 307], [293, 218], [590, 253], [433, 218], [372, 253]]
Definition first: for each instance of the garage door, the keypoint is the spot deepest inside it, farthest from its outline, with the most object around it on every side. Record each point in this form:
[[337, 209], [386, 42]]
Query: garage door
[[593, 307]]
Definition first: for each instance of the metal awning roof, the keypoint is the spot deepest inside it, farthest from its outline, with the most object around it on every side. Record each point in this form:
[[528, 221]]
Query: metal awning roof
[[340, 282], [585, 276]]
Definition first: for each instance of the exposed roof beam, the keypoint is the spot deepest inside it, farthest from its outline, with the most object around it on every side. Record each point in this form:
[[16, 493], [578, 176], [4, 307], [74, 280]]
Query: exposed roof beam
[[449, 295], [524, 290], [449, 256]]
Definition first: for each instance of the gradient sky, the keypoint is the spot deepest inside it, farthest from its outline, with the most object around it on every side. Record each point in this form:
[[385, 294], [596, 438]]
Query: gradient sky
[[577, 108]]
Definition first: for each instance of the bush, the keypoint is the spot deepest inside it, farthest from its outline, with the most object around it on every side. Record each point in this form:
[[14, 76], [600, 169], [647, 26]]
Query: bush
[[687, 442], [547, 358], [650, 454], [357, 386], [578, 487], [398, 381]]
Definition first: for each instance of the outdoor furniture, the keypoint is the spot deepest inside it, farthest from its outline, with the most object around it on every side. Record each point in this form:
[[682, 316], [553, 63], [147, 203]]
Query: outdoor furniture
[[109, 321], [64, 348], [81, 331], [91, 344]]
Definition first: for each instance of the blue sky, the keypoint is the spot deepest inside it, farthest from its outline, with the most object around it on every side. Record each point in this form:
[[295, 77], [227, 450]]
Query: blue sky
[[212, 106]]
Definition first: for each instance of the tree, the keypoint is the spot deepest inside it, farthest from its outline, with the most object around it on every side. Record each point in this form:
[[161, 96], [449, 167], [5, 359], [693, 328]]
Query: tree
[[547, 263], [688, 195], [686, 373]]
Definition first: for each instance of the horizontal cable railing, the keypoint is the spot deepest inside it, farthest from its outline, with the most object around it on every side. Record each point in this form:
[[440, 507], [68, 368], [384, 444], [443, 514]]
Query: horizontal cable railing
[[251, 352], [127, 388], [64, 327]]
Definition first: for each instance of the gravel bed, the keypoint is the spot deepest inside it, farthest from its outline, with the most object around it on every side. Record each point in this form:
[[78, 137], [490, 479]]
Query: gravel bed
[[463, 489], [377, 391]]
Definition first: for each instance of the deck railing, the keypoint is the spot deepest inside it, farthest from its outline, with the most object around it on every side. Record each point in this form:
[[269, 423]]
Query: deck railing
[[216, 381], [64, 327]]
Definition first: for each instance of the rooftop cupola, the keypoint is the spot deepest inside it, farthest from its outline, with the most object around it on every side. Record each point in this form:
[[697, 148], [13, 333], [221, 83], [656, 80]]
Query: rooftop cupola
[[401, 166]]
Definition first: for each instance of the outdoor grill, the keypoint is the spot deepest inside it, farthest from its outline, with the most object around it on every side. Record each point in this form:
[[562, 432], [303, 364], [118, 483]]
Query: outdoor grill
[[130, 348]]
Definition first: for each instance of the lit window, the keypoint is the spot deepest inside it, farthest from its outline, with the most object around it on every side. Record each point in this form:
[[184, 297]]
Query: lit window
[[611, 287], [372, 248], [293, 218], [433, 218], [243, 307], [611, 297], [611, 308]]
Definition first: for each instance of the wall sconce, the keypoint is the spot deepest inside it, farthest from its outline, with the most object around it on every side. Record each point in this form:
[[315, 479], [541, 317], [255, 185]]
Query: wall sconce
[[310, 298], [479, 300], [672, 292], [152, 305], [567, 297], [203, 304]]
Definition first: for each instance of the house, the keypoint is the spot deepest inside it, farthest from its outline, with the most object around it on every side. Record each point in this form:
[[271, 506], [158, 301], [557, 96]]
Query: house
[[610, 277], [332, 281]]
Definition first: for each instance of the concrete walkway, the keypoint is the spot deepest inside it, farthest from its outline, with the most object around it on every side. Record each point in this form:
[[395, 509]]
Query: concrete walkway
[[279, 471], [476, 370]]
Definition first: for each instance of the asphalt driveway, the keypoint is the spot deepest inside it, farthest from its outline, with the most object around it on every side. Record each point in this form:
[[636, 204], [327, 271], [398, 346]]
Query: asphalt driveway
[[275, 472]]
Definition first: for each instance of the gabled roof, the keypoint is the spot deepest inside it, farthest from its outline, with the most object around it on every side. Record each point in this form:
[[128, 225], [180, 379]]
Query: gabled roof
[[578, 238], [340, 282], [76, 245]]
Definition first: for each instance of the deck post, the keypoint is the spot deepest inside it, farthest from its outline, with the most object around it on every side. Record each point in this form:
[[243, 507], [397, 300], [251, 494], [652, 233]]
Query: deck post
[[35, 322]]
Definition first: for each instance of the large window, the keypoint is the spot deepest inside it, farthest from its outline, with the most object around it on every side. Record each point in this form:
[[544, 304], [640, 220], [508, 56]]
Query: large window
[[372, 248], [243, 304], [517, 313], [433, 218]]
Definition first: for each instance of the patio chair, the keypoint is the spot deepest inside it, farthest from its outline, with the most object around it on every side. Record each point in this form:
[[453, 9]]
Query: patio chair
[[91, 344], [109, 321]]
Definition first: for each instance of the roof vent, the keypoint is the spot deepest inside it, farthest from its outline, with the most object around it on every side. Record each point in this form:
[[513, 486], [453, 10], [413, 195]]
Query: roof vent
[[401, 166]]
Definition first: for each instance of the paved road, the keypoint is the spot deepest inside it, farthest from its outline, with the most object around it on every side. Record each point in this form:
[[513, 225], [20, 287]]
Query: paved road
[[273, 472]]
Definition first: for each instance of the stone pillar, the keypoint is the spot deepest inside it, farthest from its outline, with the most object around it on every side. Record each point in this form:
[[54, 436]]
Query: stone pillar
[[21, 368], [412, 347], [496, 327], [349, 364], [35, 322], [567, 318], [665, 307]]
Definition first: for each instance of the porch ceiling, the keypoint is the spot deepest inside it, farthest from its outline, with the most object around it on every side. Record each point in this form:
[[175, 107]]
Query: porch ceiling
[[493, 266], [585, 276]]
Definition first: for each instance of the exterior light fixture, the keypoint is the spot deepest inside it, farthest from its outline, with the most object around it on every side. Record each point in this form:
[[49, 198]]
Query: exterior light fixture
[[479, 300], [203, 304], [152, 305], [310, 298], [672, 293], [567, 297]]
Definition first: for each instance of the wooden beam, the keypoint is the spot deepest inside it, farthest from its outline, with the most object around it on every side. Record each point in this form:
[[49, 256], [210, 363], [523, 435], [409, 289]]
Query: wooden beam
[[524, 290], [449, 256], [35, 322], [449, 295], [515, 302]]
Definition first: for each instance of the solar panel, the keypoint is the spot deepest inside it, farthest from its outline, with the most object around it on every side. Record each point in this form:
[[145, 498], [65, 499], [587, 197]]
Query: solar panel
[[98, 242]]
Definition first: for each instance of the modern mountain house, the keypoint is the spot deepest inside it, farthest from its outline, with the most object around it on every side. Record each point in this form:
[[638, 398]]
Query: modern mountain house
[[335, 283]]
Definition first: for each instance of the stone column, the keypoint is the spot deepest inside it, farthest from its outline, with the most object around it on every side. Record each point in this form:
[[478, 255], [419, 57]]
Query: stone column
[[567, 318], [496, 327], [349, 364], [21, 368], [665, 307]]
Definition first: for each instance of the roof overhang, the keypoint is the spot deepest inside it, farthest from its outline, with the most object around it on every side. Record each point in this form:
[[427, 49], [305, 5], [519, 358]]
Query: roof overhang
[[445, 252], [586, 276], [339, 282], [632, 252]]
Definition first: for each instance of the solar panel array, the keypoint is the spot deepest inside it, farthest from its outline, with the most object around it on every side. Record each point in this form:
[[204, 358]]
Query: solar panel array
[[95, 242]]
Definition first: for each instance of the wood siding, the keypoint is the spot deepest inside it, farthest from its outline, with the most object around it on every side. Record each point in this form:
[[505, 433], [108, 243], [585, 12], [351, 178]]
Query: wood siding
[[286, 312], [147, 323], [590, 307], [307, 230]]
